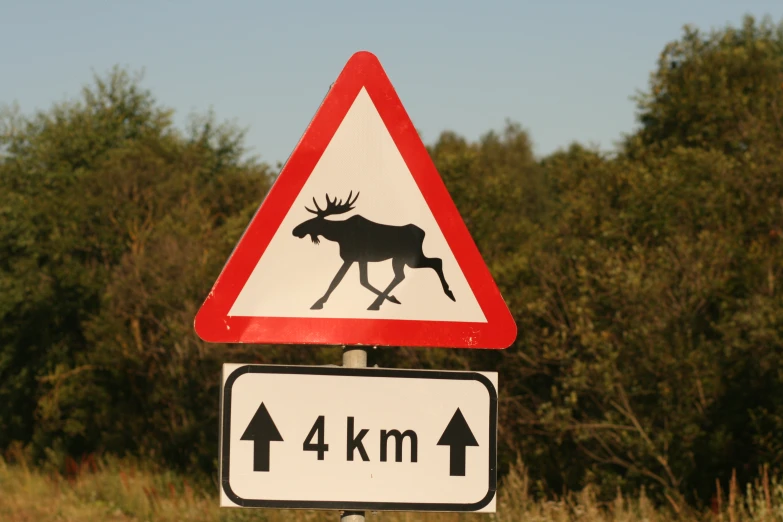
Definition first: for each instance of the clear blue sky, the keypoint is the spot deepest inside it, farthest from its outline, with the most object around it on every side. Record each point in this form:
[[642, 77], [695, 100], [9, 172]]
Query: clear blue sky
[[565, 70]]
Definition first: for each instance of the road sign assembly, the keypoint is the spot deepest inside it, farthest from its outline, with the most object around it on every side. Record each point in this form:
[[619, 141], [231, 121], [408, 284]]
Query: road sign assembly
[[358, 241], [324, 437]]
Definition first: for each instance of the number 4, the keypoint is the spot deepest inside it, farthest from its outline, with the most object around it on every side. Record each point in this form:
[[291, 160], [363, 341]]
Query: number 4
[[321, 448]]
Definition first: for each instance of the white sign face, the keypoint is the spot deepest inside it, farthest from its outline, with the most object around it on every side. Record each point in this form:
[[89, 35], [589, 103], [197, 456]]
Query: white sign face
[[293, 277], [325, 437]]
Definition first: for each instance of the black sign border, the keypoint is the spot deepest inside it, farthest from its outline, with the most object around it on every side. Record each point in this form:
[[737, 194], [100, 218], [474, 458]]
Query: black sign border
[[225, 437]]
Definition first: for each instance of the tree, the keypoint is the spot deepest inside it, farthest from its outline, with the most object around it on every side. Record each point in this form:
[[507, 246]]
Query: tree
[[654, 312], [115, 223], [721, 90]]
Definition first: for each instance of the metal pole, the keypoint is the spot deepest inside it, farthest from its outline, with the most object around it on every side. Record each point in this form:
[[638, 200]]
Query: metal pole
[[353, 357]]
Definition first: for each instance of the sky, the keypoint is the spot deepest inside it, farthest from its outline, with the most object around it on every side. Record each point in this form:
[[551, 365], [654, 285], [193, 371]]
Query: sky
[[564, 70]]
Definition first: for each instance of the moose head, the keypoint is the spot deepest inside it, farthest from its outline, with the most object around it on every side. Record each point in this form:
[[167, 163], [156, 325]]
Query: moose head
[[316, 226]]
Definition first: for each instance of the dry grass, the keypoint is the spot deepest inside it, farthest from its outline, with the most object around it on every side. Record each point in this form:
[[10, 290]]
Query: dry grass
[[112, 490]]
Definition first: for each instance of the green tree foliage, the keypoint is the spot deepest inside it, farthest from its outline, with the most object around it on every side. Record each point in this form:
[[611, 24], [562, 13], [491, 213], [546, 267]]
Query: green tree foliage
[[720, 90], [655, 311], [113, 226]]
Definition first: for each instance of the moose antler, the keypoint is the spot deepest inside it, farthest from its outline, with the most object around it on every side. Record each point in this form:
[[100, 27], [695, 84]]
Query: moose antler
[[333, 206]]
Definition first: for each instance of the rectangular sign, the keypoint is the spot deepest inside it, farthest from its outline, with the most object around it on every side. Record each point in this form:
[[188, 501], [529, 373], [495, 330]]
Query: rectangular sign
[[328, 437]]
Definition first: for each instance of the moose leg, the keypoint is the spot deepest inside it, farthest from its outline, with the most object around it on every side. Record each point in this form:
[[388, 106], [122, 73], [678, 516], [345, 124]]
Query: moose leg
[[399, 275], [366, 282], [437, 265], [336, 281]]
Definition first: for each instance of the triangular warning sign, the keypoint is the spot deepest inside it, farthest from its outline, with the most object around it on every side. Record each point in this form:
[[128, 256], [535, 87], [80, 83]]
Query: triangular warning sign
[[358, 241]]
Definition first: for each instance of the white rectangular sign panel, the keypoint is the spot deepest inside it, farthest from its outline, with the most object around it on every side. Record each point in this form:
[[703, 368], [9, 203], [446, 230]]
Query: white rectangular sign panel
[[328, 437]]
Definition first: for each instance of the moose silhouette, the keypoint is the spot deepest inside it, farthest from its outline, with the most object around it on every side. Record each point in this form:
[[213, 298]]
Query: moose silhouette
[[363, 241]]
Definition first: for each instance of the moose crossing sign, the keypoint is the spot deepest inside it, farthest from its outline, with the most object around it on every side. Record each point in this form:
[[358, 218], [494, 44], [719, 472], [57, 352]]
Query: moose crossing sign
[[358, 241]]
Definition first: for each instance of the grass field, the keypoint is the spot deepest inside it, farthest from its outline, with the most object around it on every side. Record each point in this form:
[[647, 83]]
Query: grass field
[[114, 490]]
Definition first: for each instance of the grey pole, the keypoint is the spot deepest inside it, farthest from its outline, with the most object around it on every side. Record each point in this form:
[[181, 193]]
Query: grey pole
[[353, 357]]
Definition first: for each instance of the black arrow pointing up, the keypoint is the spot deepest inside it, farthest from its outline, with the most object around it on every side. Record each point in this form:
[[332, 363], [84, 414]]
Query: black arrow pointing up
[[458, 437], [261, 431]]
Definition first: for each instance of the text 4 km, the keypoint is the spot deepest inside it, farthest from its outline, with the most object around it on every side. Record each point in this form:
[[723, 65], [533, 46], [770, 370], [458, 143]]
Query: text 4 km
[[355, 442], [457, 436]]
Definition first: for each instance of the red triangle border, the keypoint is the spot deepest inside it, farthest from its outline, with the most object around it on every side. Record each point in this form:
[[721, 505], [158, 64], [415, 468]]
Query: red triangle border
[[212, 323]]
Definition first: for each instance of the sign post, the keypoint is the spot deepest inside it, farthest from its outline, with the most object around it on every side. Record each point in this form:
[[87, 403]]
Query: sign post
[[358, 244], [354, 357]]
